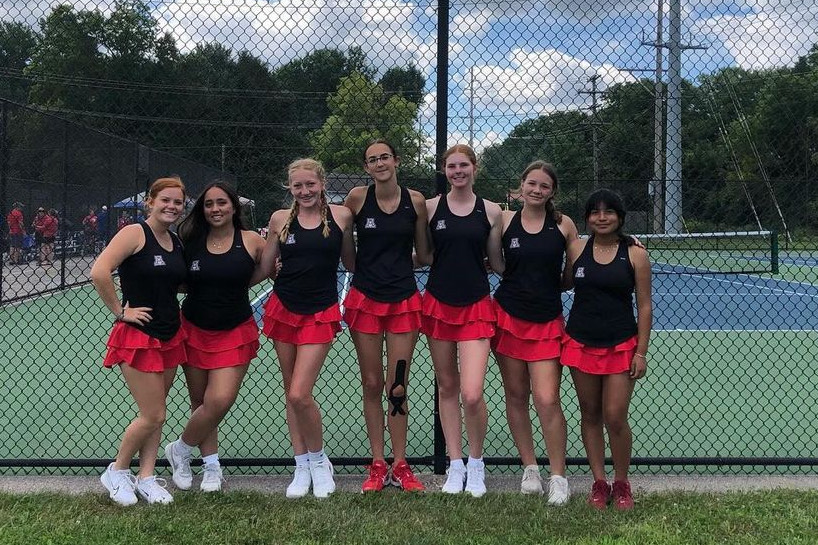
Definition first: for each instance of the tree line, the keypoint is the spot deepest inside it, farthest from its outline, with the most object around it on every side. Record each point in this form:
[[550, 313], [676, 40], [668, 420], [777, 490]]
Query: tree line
[[750, 137]]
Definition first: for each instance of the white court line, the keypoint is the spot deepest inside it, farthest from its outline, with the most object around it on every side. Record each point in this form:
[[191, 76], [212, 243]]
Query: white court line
[[788, 292], [345, 290], [705, 293], [676, 330], [262, 297]]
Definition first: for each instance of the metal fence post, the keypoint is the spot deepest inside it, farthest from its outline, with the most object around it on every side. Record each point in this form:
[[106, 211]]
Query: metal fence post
[[3, 178], [442, 129], [62, 231]]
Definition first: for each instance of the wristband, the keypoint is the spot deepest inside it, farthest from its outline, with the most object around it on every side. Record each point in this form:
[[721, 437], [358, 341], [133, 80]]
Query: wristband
[[120, 317], [643, 356]]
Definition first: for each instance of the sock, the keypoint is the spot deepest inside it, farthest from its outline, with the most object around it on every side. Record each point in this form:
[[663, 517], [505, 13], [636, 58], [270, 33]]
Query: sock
[[211, 459], [302, 460], [316, 456], [475, 462], [184, 449], [457, 463]]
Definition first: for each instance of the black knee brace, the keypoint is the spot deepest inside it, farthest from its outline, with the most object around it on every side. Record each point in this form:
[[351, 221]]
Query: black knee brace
[[400, 382]]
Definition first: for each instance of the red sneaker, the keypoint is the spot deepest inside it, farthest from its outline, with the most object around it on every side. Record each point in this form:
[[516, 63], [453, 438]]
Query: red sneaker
[[600, 495], [622, 496], [403, 477], [378, 477]]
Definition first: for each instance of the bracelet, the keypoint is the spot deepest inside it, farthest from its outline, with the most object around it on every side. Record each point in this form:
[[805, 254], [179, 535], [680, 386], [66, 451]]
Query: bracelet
[[119, 317], [643, 356]]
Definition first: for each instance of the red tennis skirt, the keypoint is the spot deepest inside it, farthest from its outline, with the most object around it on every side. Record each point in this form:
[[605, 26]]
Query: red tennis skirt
[[282, 325], [129, 345], [208, 349], [607, 360], [527, 341], [366, 315], [449, 323]]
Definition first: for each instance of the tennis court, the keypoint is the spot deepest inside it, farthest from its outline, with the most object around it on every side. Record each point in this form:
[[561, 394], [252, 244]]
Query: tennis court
[[731, 375]]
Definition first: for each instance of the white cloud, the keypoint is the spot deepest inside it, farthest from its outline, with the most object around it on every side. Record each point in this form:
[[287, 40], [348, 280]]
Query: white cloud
[[582, 11], [538, 82], [775, 34], [280, 31]]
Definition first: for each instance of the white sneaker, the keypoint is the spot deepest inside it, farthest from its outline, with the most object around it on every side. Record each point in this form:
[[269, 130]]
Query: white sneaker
[[180, 465], [321, 474], [476, 479], [455, 480], [300, 486], [532, 482], [211, 478], [120, 485], [153, 490], [558, 491]]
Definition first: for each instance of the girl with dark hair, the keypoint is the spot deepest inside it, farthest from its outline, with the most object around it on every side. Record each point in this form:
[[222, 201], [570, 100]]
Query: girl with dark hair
[[302, 315], [223, 260], [605, 345], [147, 342], [383, 305], [458, 317], [530, 325]]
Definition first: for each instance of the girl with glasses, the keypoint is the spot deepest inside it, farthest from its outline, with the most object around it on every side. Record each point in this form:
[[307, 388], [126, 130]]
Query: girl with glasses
[[383, 306]]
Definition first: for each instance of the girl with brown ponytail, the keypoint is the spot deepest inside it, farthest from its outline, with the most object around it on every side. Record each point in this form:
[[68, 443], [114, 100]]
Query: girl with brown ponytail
[[530, 325]]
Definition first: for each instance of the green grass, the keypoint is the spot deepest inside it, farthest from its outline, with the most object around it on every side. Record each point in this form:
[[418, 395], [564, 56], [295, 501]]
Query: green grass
[[241, 518], [707, 394]]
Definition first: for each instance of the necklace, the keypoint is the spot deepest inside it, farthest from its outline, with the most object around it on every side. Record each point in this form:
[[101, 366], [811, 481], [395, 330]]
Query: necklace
[[605, 248], [219, 244]]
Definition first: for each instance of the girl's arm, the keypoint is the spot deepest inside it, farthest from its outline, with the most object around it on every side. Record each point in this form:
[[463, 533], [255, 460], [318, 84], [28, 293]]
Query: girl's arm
[[423, 247], [125, 243], [344, 218], [271, 249], [569, 230], [644, 309], [494, 246]]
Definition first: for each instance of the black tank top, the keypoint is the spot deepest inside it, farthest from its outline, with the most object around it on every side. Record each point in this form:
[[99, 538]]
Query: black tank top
[[383, 264], [602, 313], [217, 285], [530, 288], [307, 282], [458, 274], [151, 278]]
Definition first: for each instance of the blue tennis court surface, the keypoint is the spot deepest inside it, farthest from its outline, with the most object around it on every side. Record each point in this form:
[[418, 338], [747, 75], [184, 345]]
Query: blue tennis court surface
[[697, 302]]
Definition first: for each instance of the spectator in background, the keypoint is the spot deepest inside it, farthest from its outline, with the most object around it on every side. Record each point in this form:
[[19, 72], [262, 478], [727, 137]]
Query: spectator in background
[[103, 229], [124, 220], [90, 229], [17, 231], [45, 232]]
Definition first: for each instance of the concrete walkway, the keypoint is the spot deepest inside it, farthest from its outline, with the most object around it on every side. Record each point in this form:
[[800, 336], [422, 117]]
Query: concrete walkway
[[276, 484]]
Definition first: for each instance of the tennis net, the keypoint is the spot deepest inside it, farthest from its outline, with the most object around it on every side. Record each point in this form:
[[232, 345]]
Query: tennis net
[[733, 252]]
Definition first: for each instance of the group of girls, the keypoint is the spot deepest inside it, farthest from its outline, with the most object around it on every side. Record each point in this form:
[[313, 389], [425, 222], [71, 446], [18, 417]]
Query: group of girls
[[397, 230]]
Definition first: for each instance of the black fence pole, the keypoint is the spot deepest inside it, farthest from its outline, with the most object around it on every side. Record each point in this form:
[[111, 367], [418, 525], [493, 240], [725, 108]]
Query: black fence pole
[[442, 130], [3, 180], [62, 231]]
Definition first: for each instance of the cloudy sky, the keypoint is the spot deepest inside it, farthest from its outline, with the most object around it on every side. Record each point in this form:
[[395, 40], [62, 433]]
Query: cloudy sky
[[509, 59]]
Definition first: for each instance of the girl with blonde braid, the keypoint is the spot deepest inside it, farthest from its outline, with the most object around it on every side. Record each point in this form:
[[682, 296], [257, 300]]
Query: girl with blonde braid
[[302, 315]]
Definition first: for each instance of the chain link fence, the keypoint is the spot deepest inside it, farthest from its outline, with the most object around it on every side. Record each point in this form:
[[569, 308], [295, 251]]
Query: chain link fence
[[704, 116]]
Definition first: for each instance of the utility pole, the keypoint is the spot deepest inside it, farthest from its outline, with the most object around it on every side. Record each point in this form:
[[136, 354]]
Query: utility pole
[[594, 123], [471, 107], [656, 188], [673, 134]]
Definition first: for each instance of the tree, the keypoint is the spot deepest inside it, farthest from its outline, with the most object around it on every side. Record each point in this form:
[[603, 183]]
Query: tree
[[17, 45], [404, 82], [359, 113]]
